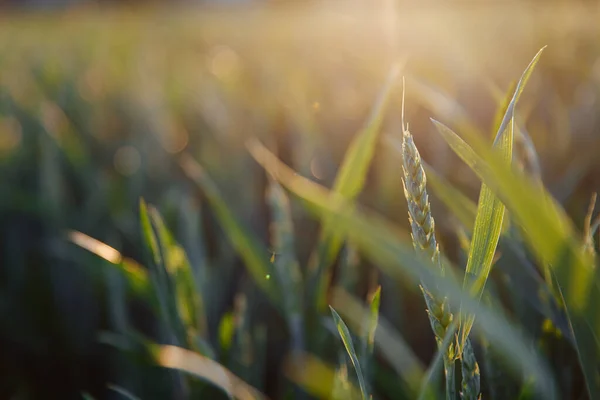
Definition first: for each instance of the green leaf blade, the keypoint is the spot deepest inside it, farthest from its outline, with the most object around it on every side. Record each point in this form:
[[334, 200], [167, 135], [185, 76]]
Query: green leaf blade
[[249, 249], [348, 183], [150, 238], [349, 345], [188, 301], [486, 234], [552, 237], [490, 211]]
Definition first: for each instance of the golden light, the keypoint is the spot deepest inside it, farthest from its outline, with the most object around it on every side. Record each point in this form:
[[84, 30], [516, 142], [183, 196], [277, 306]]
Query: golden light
[[224, 63], [95, 246]]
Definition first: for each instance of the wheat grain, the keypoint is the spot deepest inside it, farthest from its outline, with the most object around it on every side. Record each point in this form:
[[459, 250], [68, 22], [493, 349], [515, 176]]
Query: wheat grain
[[423, 234], [423, 228]]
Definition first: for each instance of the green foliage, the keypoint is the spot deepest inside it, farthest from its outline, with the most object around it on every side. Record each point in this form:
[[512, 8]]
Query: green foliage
[[349, 182], [210, 289], [287, 267], [490, 212], [180, 298], [255, 257], [346, 337], [552, 238], [382, 244]]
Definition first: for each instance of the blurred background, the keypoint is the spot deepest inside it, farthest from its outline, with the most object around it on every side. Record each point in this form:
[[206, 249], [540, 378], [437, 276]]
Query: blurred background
[[98, 99]]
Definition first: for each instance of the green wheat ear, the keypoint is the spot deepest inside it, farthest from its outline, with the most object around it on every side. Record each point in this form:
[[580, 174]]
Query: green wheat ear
[[424, 241]]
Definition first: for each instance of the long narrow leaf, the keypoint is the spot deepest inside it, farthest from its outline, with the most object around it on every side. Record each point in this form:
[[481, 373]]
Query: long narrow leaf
[[347, 340], [392, 347], [490, 213], [157, 244], [135, 275], [156, 271], [187, 361], [348, 183], [553, 239], [150, 238], [254, 255], [188, 299]]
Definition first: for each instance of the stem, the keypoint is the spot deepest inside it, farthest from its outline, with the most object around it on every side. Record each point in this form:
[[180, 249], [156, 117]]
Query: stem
[[449, 371]]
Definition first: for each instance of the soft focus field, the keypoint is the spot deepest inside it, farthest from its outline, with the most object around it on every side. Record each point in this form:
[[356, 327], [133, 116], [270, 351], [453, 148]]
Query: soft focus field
[[101, 108]]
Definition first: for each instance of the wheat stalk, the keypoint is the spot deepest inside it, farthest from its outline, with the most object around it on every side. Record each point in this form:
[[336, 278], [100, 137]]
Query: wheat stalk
[[423, 235], [470, 373]]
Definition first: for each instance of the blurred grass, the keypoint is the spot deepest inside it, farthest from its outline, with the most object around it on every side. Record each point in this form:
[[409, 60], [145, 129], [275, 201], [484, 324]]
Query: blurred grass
[[97, 106]]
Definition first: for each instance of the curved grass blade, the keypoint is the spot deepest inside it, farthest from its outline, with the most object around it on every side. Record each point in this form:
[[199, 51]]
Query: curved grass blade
[[389, 249], [149, 236], [510, 111], [348, 183], [390, 344], [502, 109], [180, 300], [187, 361], [254, 255], [486, 234], [490, 213], [135, 274], [157, 272], [347, 340], [189, 305], [553, 239]]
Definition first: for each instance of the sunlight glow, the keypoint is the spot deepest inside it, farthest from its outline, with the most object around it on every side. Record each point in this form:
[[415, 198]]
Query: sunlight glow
[[95, 246]]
